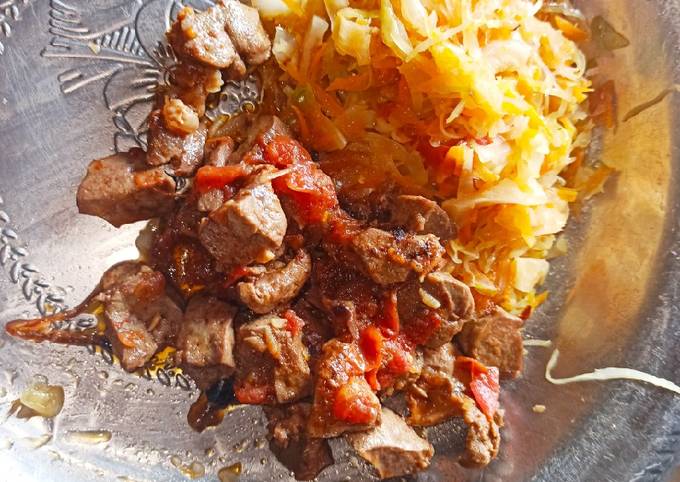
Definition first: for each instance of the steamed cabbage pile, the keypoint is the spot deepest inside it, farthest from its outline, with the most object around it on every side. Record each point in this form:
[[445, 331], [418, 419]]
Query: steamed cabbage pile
[[477, 103]]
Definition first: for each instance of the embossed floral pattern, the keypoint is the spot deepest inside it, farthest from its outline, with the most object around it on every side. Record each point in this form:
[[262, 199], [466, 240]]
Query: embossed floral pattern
[[10, 11]]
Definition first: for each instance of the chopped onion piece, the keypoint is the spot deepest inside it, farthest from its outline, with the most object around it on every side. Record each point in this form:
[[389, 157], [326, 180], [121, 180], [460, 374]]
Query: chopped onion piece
[[284, 46], [541, 343], [45, 400], [609, 373]]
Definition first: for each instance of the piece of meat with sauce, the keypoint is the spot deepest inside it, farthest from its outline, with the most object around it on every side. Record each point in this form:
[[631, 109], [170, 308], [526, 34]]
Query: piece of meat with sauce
[[393, 448], [193, 83], [343, 399], [140, 317], [440, 306], [495, 339], [439, 395], [246, 228], [205, 343], [483, 438], [121, 189], [225, 36], [420, 215], [218, 151], [389, 258], [184, 153], [272, 361], [432, 399], [202, 37], [138, 314], [277, 285], [306, 457], [246, 32]]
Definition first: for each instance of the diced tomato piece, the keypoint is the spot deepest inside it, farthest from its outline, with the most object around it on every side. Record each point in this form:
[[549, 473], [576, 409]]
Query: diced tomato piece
[[294, 322], [213, 177], [486, 389], [282, 151], [389, 322], [355, 403], [235, 275], [483, 383], [372, 379], [371, 344], [311, 191]]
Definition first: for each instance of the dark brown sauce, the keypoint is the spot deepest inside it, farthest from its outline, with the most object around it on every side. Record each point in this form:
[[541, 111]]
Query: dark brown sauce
[[211, 406]]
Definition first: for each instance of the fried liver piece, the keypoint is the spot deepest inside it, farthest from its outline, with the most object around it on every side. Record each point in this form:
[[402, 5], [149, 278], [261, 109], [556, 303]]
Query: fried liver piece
[[226, 36], [245, 228], [277, 285], [495, 340], [393, 448], [184, 153], [288, 439], [272, 362], [205, 343], [122, 189]]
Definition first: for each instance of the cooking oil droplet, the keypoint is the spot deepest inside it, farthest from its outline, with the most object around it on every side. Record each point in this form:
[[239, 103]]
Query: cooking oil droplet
[[263, 461], [117, 382], [209, 452], [103, 374], [130, 387], [194, 470], [241, 446], [150, 392], [260, 443], [3, 392], [231, 473]]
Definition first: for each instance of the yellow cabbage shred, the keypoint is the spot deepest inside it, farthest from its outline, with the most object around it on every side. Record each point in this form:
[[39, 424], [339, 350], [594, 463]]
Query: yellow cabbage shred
[[486, 98]]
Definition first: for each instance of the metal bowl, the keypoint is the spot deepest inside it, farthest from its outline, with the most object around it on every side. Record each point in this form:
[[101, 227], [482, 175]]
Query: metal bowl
[[75, 83]]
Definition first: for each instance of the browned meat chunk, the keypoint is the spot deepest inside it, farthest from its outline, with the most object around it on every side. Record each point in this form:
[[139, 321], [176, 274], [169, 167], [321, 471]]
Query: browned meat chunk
[[247, 228], [495, 340], [483, 437], [218, 151], [440, 295], [272, 362], [421, 215], [288, 439], [206, 339], [246, 32], [120, 190], [192, 83], [343, 399], [434, 397], [183, 152], [139, 315], [217, 36], [276, 286], [388, 258], [438, 396], [202, 36], [392, 447]]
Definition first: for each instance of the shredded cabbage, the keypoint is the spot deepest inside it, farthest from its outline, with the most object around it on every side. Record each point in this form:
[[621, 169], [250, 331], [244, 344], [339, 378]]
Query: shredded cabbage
[[609, 373], [487, 97]]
